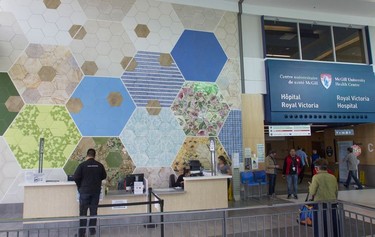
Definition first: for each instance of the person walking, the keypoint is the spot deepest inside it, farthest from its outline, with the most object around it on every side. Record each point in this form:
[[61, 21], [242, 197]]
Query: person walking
[[352, 163], [88, 177], [304, 162], [315, 156], [324, 188], [291, 169], [271, 170]]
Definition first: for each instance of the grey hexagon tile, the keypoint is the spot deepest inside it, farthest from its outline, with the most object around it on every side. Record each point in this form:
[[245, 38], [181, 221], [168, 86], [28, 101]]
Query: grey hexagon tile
[[227, 34], [162, 21], [109, 10], [152, 140], [198, 18], [46, 25], [9, 168], [158, 177], [229, 82], [102, 49], [12, 40]]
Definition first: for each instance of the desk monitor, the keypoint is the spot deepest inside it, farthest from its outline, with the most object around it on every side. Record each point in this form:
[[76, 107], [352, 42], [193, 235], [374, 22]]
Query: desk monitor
[[131, 178]]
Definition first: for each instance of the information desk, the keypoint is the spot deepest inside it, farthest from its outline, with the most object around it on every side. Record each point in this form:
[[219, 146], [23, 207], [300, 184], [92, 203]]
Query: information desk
[[59, 199]]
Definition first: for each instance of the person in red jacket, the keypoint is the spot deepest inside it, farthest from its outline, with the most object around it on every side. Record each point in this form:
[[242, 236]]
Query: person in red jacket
[[291, 169]]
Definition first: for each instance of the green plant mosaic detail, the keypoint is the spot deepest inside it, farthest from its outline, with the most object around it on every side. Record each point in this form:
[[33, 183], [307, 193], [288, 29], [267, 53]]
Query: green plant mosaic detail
[[54, 124]]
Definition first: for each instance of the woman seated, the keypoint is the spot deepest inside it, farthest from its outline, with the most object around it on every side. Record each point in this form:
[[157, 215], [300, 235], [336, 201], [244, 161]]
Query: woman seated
[[180, 179]]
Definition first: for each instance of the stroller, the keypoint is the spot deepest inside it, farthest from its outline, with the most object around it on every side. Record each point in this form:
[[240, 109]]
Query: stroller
[[305, 216]]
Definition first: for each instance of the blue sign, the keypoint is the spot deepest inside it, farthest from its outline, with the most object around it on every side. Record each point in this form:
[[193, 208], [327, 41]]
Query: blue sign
[[300, 91]]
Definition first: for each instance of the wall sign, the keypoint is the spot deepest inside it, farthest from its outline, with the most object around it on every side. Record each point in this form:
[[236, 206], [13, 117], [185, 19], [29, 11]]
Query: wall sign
[[303, 92]]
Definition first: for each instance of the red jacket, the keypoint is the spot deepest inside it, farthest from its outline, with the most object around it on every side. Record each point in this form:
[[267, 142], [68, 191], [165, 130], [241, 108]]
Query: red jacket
[[289, 163]]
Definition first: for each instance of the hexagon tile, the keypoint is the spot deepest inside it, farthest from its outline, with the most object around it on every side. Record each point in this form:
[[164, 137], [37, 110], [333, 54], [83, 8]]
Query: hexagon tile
[[199, 56], [227, 34], [155, 77], [104, 50], [197, 148], [152, 140], [229, 82], [157, 177], [54, 124], [109, 151], [198, 18], [10, 102], [153, 26], [231, 133], [9, 168], [46, 22], [100, 106], [12, 40], [109, 10], [200, 108], [46, 74]]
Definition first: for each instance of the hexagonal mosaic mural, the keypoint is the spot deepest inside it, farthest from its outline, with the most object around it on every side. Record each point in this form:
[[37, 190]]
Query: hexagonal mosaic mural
[[46, 22], [197, 148], [104, 48], [100, 106], [199, 56], [152, 140], [9, 168], [12, 40], [159, 84], [227, 34], [10, 102], [110, 152], [229, 82], [52, 123], [158, 177], [200, 109], [46, 74], [109, 10], [158, 20]]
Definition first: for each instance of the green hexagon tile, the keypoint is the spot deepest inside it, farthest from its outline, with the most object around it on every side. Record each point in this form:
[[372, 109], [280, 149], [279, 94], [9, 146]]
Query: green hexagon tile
[[51, 122]]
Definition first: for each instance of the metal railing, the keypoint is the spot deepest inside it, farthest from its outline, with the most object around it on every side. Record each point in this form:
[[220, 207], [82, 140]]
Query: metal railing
[[267, 221]]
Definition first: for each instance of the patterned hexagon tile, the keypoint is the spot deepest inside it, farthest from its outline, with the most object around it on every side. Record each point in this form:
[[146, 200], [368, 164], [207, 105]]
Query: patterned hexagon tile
[[227, 34], [52, 123], [229, 82], [197, 148], [198, 18], [109, 10], [159, 19], [12, 40], [100, 106], [9, 168], [46, 74], [46, 22], [157, 177], [199, 56], [200, 109], [154, 81], [152, 140], [231, 133], [110, 152], [104, 50], [10, 102]]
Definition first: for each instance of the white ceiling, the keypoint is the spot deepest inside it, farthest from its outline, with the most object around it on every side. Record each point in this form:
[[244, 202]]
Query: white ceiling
[[356, 12]]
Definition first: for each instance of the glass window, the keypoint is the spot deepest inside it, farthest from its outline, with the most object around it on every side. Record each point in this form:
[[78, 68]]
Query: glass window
[[281, 39], [316, 42], [349, 45]]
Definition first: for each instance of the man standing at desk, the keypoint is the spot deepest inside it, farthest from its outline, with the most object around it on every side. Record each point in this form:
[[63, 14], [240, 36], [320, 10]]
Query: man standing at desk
[[88, 177]]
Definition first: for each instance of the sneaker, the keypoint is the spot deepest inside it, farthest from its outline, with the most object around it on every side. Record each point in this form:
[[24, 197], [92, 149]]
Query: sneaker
[[295, 197], [346, 186], [289, 196], [359, 188]]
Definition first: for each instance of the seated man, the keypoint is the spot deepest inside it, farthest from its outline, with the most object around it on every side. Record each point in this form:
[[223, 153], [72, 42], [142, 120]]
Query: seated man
[[180, 179]]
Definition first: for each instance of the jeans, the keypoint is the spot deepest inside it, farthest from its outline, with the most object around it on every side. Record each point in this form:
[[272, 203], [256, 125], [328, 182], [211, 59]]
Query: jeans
[[88, 201], [292, 181], [353, 173], [319, 224], [272, 183]]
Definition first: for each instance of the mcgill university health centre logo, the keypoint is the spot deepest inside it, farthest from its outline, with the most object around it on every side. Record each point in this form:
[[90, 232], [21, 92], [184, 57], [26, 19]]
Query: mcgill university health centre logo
[[326, 80]]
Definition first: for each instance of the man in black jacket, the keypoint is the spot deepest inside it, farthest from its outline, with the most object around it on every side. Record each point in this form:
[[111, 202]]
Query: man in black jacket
[[88, 177]]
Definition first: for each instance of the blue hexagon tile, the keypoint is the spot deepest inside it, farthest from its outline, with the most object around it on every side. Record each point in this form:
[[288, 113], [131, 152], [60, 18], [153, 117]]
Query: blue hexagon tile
[[100, 106], [154, 78], [231, 133], [152, 140], [199, 56]]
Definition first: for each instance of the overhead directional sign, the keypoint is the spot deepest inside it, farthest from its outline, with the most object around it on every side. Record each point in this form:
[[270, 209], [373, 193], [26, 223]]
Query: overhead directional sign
[[289, 130]]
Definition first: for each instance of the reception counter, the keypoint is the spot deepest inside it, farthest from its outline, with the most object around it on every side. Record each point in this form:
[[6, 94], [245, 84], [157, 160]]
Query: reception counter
[[59, 199]]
